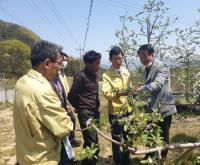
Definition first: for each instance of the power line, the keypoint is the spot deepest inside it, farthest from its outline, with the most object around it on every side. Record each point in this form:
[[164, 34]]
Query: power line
[[127, 6], [80, 56], [185, 20], [10, 15], [115, 5], [88, 22], [134, 4], [139, 6], [44, 16], [35, 10], [60, 19]]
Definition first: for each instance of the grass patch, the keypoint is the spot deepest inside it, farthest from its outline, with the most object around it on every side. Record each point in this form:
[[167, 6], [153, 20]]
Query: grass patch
[[186, 130], [7, 83], [191, 159], [5, 105], [183, 138]]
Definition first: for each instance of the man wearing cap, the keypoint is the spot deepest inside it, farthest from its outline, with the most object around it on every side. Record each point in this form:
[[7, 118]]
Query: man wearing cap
[[40, 122]]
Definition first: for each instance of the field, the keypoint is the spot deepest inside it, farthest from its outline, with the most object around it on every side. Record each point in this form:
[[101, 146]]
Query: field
[[184, 130]]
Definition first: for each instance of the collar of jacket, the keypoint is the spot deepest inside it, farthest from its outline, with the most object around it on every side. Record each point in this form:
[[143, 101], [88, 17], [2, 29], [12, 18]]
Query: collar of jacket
[[36, 75], [117, 70], [156, 63], [94, 75], [114, 71]]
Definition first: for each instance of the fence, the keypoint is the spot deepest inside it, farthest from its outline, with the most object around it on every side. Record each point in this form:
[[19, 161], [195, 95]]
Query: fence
[[7, 94]]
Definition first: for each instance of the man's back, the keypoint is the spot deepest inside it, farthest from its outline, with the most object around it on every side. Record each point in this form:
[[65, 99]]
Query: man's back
[[39, 121]]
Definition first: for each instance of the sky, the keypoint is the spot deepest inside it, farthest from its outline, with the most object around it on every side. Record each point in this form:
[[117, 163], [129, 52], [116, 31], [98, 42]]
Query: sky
[[65, 21]]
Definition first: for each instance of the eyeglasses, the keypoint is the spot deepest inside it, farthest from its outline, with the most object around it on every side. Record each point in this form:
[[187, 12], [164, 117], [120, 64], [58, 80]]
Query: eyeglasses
[[59, 63]]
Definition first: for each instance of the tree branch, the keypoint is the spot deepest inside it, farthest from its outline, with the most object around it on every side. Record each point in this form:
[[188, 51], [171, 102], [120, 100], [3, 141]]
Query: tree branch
[[157, 149]]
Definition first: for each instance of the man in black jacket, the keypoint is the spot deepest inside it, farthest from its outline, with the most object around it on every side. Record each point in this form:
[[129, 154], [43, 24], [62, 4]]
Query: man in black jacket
[[83, 96]]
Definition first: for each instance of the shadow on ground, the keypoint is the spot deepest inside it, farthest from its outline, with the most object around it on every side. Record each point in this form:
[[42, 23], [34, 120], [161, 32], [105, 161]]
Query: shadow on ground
[[109, 161], [183, 138]]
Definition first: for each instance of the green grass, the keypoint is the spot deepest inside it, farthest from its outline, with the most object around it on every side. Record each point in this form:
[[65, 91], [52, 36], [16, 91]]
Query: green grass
[[183, 138]]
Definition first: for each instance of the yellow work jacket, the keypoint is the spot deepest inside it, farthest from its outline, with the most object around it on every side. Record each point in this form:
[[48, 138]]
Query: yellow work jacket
[[112, 80], [39, 121], [64, 81]]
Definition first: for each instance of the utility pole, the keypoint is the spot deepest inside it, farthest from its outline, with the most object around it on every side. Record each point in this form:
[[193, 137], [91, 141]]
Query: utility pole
[[80, 56]]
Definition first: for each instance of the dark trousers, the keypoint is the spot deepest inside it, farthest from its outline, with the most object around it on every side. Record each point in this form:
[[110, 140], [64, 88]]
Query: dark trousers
[[90, 135], [64, 160], [120, 157], [165, 127], [73, 119]]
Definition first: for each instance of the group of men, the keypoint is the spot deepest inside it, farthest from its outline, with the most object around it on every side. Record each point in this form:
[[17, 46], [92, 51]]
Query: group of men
[[43, 109]]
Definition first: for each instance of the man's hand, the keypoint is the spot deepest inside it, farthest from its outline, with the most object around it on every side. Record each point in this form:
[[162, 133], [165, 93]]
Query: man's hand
[[138, 89], [69, 108], [118, 93]]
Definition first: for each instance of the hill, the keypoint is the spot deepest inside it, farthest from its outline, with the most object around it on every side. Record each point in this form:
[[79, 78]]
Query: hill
[[15, 45], [14, 31]]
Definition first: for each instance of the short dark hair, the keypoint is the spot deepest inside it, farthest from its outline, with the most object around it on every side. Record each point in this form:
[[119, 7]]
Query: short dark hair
[[42, 50], [91, 56], [115, 50], [148, 47]]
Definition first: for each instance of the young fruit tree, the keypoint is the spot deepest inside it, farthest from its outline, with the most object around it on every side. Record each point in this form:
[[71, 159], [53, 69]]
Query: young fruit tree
[[151, 25], [186, 50]]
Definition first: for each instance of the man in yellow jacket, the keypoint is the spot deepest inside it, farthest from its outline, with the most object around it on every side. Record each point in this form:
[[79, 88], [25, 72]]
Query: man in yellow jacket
[[115, 80], [40, 122]]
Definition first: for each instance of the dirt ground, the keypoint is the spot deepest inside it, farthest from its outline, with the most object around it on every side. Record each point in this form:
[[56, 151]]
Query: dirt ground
[[7, 138], [185, 131]]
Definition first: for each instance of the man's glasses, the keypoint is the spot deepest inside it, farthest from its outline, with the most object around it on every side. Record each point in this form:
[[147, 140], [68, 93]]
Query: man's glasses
[[59, 63]]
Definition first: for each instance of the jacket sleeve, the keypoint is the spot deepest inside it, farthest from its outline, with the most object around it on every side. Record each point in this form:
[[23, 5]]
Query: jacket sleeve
[[75, 90], [52, 115], [107, 88], [161, 76]]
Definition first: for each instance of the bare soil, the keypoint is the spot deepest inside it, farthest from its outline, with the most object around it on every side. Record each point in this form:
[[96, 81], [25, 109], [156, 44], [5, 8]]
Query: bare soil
[[7, 138]]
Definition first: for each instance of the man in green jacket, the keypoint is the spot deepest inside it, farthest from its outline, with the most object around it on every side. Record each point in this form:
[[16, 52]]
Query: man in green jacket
[[40, 122]]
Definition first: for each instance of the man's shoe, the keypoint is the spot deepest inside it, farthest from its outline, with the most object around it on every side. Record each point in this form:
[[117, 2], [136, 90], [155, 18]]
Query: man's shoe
[[75, 143]]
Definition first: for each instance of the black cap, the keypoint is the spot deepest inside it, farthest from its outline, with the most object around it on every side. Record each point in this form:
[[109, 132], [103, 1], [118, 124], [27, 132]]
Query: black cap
[[64, 54]]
